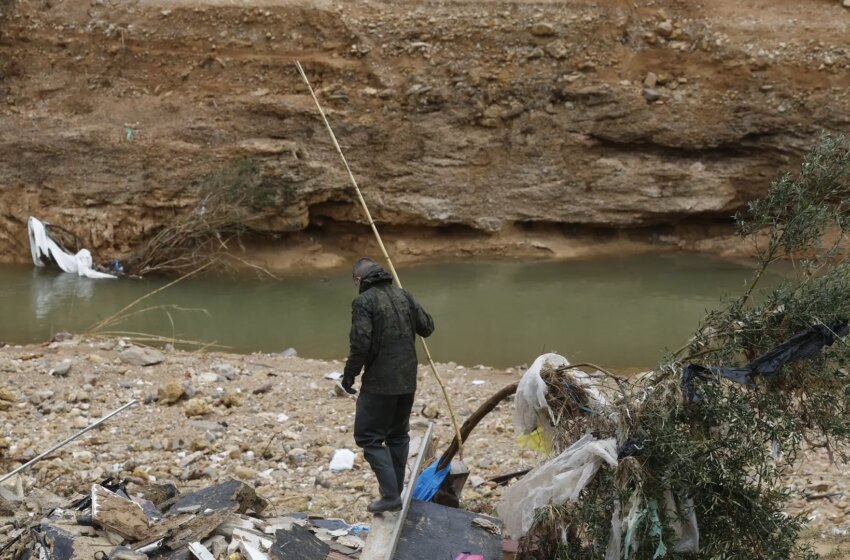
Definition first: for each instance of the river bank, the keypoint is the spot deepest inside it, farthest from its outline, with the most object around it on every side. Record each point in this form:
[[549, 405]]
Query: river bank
[[272, 421]]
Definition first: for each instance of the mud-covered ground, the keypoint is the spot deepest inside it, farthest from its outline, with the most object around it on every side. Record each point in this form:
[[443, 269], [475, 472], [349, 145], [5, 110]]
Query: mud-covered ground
[[274, 422]]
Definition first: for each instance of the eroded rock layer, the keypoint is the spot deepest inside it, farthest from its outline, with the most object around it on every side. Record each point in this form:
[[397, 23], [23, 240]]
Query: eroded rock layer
[[484, 118]]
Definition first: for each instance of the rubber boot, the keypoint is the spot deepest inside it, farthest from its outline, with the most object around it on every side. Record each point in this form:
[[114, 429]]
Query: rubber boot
[[380, 460], [399, 456]]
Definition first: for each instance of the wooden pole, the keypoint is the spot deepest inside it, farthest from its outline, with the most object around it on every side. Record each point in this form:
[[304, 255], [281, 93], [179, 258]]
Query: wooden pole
[[384, 251]]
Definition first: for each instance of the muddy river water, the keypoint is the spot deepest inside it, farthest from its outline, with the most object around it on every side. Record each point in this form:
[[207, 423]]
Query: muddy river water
[[619, 313]]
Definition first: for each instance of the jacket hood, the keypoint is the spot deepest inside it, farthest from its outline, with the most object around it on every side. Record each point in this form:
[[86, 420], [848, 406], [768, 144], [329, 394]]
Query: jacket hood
[[374, 275]]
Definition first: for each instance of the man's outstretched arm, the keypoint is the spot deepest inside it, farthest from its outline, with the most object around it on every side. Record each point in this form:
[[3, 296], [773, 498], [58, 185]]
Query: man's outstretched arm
[[360, 339]]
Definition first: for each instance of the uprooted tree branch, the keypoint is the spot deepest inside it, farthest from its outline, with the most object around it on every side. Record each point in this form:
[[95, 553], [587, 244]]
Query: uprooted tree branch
[[233, 203], [696, 448]]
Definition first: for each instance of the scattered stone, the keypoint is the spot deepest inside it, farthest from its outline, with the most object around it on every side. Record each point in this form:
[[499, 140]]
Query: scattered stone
[[651, 80], [430, 411], [170, 393], [62, 337], [297, 455], [137, 356], [226, 370], [62, 369], [651, 95], [556, 50], [246, 473], [208, 377], [263, 389], [197, 407], [288, 353], [665, 29], [542, 29]]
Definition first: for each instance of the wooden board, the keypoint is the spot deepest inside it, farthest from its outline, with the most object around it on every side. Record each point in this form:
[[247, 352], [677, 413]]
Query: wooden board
[[385, 529], [435, 531]]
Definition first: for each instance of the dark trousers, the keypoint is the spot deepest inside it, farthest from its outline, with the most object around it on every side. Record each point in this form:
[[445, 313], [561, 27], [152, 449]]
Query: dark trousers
[[381, 427]]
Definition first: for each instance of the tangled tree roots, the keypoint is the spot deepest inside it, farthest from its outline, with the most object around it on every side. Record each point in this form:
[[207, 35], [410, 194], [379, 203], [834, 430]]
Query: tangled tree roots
[[231, 203]]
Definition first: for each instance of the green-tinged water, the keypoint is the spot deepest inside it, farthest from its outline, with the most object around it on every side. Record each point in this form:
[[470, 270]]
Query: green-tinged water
[[613, 312]]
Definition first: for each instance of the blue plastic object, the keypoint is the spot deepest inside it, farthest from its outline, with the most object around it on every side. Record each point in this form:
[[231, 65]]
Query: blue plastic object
[[429, 482]]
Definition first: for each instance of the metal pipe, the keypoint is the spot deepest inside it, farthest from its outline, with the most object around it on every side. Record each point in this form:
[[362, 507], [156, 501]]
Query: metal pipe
[[67, 441]]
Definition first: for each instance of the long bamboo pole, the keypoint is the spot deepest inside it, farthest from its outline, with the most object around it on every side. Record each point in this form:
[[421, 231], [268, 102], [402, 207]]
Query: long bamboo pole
[[384, 251]]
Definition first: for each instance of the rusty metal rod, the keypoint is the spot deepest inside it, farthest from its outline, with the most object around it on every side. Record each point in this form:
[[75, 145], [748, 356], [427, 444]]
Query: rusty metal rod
[[41, 456]]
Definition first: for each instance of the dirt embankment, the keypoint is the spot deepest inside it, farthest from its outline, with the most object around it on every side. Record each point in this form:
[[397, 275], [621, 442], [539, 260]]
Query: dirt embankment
[[497, 128]]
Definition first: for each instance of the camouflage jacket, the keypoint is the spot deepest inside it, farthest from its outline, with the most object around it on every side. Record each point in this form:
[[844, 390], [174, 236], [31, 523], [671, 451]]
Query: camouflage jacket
[[384, 323]]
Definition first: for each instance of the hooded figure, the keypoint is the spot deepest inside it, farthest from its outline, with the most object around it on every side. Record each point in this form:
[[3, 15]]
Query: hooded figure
[[384, 323]]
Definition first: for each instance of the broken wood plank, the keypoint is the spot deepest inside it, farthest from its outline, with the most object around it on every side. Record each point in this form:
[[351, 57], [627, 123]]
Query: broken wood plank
[[251, 552], [257, 540], [200, 551], [386, 529], [117, 514]]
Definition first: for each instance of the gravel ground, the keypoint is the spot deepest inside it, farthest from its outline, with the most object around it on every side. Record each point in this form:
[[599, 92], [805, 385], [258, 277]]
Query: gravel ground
[[273, 421]]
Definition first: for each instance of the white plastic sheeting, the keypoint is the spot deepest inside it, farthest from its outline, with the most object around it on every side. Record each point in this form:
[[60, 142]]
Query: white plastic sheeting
[[44, 249], [531, 392], [532, 410], [555, 482]]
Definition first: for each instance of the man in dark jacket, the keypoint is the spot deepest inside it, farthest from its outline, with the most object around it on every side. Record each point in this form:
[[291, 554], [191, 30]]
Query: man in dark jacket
[[384, 323]]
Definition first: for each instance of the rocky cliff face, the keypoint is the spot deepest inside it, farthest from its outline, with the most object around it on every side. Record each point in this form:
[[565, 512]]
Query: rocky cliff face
[[485, 122]]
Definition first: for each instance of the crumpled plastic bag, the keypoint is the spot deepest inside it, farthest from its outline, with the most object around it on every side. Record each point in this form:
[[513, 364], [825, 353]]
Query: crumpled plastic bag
[[555, 482], [429, 481], [530, 400]]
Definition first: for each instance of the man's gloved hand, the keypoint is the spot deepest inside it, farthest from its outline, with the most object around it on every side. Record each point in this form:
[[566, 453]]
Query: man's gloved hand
[[348, 384]]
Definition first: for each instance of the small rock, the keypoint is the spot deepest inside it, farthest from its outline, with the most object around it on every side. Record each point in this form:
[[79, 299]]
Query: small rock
[[430, 411], [199, 444], [542, 29], [297, 455], [263, 389], [96, 359], [846, 3], [245, 473], [226, 370], [62, 337], [170, 393], [80, 422], [62, 369], [556, 49], [651, 95], [208, 377], [288, 353], [230, 400], [136, 356], [476, 481], [6, 395], [651, 80], [665, 29], [196, 407]]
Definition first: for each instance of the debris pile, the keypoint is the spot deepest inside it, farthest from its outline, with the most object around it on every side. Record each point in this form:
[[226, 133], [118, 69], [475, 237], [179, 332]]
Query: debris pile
[[127, 521]]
